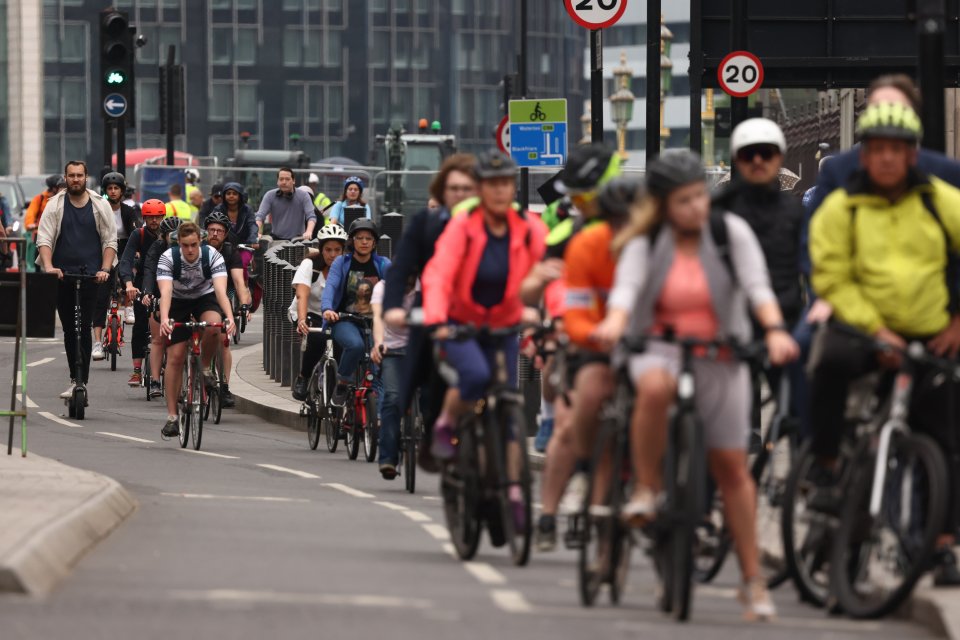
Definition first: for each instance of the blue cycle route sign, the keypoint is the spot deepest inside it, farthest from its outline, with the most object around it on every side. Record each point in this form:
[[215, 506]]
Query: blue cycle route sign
[[114, 105], [538, 132]]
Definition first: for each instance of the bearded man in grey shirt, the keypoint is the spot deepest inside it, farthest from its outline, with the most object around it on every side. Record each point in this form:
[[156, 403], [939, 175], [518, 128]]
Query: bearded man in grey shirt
[[291, 212]]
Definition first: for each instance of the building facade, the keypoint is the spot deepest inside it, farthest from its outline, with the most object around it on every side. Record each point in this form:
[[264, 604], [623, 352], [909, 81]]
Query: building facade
[[325, 76]]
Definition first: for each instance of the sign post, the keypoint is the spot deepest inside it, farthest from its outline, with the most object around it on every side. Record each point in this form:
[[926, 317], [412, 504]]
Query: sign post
[[538, 132]]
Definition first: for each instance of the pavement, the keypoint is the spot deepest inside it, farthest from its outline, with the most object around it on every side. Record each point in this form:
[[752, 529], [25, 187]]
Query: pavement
[[257, 533]]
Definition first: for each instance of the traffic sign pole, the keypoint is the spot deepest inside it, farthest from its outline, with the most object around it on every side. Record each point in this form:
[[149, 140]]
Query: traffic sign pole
[[524, 172], [653, 79], [596, 86], [121, 146]]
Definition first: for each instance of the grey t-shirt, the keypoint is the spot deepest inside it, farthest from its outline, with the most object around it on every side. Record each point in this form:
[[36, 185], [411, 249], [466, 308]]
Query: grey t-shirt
[[289, 216]]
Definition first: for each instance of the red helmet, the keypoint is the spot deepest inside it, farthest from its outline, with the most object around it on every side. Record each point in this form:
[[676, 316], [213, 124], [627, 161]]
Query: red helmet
[[153, 207]]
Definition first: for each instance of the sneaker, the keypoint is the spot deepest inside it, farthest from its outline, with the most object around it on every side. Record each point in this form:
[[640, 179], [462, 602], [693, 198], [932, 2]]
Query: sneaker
[[299, 390], [575, 494], [171, 429], [97, 353], [443, 447], [135, 379], [227, 401], [129, 316], [339, 395], [66, 395], [546, 533], [642, 508], [388, 471], [156, 390], [544, 431], [756, 601], [945, 571]]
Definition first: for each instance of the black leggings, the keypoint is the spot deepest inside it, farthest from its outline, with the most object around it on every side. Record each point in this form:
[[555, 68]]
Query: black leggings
[[65, 308], [104, 291], [316, 345], [140, 329]]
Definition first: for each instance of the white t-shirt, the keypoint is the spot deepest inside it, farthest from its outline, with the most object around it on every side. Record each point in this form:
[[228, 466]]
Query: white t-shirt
[[304, 275], [121, 232], [393, 339], [192, 284]]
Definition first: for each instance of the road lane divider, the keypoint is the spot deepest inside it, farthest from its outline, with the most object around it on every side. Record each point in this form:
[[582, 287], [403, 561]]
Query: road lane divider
[[350, 491], [123, 437], [59, 420], [484, 572], [293, 472], [511, 601], [211, 454], [210, 496], [40, 362]]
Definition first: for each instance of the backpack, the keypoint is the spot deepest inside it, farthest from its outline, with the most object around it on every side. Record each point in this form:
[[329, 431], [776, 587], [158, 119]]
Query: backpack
[[204, 262], [718, 231]]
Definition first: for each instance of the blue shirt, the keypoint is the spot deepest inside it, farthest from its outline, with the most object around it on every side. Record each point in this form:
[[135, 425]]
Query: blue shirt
[[491, 281], [78, 244]]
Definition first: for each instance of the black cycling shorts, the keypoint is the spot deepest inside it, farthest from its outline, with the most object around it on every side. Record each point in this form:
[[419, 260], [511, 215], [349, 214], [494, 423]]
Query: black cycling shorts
[[186, 309]]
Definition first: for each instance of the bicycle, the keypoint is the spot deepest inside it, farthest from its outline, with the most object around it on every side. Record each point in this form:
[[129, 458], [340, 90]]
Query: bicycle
[[475, 486], [145, 377], [113, 332], [890, 497], [192, 390], [358, 416], [78, 401], [538, 114], [317, 408], [215, 383]]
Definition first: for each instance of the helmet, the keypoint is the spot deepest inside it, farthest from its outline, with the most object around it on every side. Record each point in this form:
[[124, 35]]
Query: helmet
[[168, 224], [313, 179], [493, 164], [217, 217], [757, 131], [889, 120], [333, 232], [113, 178], [61, 183], [192, 174], [588, 168], [153, 207], [52, 182], [363, 224], [354, 180], [306, 189], [672, 169], [617, 196]]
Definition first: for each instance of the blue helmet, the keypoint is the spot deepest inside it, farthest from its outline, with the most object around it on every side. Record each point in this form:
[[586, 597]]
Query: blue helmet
[[354, 180]]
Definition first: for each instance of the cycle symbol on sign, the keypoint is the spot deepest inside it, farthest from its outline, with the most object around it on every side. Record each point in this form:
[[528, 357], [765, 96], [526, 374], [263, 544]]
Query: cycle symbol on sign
[[538, 114]]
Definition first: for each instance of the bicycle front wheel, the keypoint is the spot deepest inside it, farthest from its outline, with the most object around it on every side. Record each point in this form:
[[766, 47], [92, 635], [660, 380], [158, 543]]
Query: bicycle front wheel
[[371, 432], [515, 495], [877, 561], [460, 490], [806, 532], [350, 428], [197, 400], [688, 485]]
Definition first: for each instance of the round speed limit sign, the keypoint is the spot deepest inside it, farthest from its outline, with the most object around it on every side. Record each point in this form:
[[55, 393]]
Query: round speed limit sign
[[596, 14], [740, 74]]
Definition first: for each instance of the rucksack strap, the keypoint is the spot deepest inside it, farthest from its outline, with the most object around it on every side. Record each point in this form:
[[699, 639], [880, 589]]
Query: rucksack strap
[[718, 232], [953, 260], [204, 262]]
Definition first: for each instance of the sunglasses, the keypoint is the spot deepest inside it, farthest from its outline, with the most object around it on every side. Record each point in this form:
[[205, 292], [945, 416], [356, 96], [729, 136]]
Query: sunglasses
[[765, 151]]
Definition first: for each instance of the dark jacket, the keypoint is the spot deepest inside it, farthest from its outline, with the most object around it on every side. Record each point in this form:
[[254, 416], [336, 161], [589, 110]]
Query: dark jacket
[[336, 278], [244, 230], [413, 253], [205, 210], [150, 267], [134, 256], [129, 217], [777, 219]]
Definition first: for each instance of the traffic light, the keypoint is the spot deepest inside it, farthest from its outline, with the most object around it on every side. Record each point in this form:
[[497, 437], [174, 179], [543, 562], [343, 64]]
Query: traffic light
[[508, 85], [116, 65]]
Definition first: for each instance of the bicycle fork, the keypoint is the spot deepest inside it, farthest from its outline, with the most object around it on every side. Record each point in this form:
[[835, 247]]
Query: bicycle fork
[[897, 423]]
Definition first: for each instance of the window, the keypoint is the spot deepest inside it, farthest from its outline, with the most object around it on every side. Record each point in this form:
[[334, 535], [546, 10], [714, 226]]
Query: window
[[247, 107], [293, 101], [74, 146], [381, 104], [245, 52], [222, 146], [380, 53], [51, 40], [222, 45], [74, 97], [73, 47], [421, 58], [221, 101], [51, 98], [168, 36], [148, 54], [311, 48], [379, 6], [221, 4], [401, 59], [315, 103], [292, 49], [425, 103], [458, 8], [292, 5], [246, 4], [335, 104], [334, 5], [148, 103], [334, 49]]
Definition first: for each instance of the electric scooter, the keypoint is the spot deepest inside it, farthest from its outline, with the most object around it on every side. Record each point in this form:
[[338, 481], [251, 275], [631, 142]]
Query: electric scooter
[[77, 402]]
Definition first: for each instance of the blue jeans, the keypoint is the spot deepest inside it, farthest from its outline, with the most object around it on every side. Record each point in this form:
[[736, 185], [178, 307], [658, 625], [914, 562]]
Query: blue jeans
[[474, 362], [351, 339], [390, 407]]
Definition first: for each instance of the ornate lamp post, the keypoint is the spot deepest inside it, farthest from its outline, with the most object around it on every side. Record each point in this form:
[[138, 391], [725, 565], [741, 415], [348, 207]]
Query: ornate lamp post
[[622, 102], [666, 77], [585, 126], [709, 117]]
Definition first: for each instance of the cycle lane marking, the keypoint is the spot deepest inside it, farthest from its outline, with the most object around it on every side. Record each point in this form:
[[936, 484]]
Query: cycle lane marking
[[211, 454], [511, 601], [350, 491], [211, 496], [293, 472], [58, 420], [40, 362], [123, 437]]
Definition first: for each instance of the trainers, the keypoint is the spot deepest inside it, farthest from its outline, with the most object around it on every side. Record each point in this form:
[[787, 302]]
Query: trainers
[[544, 431], [756, 601], [575, 495], [135, 379], [97, 353], [547, 533], [443, 447], [155, 389], [227, 400], [171, 429], [299, 389], [945, 571], [129, 316], [66, 395], [642, 508], [388, 471]]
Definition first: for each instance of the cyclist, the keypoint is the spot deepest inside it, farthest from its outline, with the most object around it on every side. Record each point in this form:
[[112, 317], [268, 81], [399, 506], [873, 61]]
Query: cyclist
[[881, 250], [131, 275], [474, 277], [348, 290], [193, 285], [352, 197], [158, 346], [32, 218], [218, 228], [242, 218], [306, 309], [211, 203], [77, 231], [291, 211], [113, 186], [671, 275], [176, 206]]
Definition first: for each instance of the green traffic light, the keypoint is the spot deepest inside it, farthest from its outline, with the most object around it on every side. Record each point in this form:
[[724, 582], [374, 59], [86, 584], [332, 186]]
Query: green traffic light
[[116, 78]]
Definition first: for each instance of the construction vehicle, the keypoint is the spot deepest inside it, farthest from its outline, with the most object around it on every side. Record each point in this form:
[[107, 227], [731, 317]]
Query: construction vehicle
[[402, 152]]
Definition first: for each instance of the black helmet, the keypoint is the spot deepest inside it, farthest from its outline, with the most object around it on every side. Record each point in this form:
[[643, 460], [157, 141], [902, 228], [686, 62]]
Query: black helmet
[[617, 196], [113, 178], [217, 217], [52, 182], [169, 225], [493, 164], [586, 167], [672, 169], [363, 224]]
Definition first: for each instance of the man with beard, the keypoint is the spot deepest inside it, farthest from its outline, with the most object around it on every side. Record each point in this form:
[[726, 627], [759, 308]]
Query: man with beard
[[77, 231]]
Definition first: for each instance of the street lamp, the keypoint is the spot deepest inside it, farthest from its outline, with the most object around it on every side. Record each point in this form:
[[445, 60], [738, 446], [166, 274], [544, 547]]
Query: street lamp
[[709, 117], [666, 77], [621, 103]]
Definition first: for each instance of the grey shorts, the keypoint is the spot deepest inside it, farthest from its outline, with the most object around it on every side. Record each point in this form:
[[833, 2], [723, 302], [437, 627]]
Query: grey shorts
[[723, 393]]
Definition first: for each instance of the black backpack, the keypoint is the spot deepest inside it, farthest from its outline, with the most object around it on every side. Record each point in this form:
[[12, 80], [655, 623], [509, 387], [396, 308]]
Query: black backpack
[[204, 262]]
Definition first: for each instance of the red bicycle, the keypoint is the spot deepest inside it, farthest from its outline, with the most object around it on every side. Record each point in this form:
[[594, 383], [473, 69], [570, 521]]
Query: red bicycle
[[193, 393], [113, 333], [359, 413]]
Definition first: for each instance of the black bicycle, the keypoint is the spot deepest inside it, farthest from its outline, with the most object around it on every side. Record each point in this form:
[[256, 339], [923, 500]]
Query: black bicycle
[[317, 408], [411, 433], [78, 401]]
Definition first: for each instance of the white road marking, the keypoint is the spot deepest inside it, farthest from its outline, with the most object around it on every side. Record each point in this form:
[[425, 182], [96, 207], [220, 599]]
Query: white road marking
[[294, 472], [212, 455], [512, 601], [438, 531], [392, 506], [450, 550], [40, 362], [210, 496], [58, 420], [31, 404], [274, 597], [432, 498], [485, 573], [416, 516], [350, 491], [123, 437]]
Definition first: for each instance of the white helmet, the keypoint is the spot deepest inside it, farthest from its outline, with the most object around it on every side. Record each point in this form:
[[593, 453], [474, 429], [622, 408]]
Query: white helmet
[[757, 131], [306, 189], [313, 179], [331, 232]]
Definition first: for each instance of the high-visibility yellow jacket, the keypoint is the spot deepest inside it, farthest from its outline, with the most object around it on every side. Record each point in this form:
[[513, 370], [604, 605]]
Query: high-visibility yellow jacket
[[180, 209], [882, 263]]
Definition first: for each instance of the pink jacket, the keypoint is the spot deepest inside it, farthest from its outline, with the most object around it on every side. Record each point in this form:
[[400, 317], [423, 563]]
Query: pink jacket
[[448, 278]]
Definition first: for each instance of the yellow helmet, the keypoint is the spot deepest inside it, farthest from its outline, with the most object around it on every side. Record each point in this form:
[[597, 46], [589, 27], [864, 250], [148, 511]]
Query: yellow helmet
[[889, 120]]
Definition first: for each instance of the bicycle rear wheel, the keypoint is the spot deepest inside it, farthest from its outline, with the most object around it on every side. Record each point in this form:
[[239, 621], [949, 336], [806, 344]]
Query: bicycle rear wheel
[[516, 514], [460, 490], [877, 561], [371, 432], [186, 419], [410, 438], [216, 398], [349, 425], [770, 471], [197, 400]]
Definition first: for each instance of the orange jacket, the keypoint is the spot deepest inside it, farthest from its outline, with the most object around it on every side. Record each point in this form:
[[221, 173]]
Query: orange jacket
[[588, 274], [35, 210], [448, 278]]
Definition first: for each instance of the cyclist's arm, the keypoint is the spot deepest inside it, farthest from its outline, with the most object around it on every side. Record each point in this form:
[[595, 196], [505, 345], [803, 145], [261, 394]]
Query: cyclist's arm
[[263, 211], [334, 283], [127, 260], [220, 290], [240, 286], [310, 215], [440, 274], [303, 301], [166, 293]]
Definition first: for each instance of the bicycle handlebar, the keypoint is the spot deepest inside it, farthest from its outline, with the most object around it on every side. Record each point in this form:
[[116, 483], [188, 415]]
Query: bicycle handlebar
[[915, 351], [754, 351], [79, 276]]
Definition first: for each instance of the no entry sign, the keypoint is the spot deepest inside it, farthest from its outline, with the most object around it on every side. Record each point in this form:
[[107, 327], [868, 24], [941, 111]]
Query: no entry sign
[[740, 74]]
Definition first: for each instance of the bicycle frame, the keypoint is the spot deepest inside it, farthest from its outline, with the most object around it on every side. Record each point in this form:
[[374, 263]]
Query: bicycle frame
[[896, 423]]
